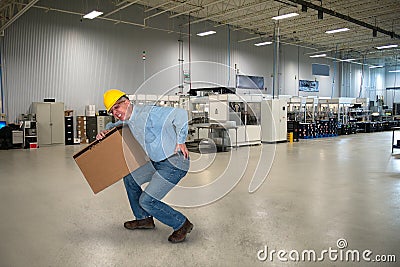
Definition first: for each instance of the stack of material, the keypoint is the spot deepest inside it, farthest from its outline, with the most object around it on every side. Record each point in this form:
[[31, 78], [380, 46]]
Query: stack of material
[[81, 129]]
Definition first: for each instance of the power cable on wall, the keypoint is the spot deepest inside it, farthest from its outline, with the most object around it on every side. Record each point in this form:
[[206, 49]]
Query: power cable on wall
[[394, 81], [334, 73], [180, 63], [362, 77], [190, 58], [229, 55], [1, 87], [296, 85]]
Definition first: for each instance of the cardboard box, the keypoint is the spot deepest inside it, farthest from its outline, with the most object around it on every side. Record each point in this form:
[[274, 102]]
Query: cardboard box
[[108, 160], [68, 113], [90, 110]]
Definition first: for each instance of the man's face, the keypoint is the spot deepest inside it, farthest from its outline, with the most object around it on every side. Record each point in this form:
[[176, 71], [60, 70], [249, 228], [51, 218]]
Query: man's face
[[120, 110]]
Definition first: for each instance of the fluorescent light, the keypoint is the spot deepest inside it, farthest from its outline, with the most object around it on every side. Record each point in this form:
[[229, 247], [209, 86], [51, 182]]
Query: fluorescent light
[[338, 30], [386, 46], [374, 67], [320, 55], [394, 70], [206, 33], [285, 16], [92, 14], [263, 43], [347, 60]]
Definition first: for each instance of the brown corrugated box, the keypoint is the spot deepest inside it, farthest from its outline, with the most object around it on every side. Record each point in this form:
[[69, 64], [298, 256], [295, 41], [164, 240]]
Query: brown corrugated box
[[106, 161]]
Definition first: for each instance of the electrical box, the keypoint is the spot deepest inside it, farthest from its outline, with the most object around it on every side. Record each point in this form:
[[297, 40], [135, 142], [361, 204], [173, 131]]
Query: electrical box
[[274, 120], [218, 108]]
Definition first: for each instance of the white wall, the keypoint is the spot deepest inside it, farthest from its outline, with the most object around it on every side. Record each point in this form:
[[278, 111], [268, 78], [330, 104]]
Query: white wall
[[297, 65]]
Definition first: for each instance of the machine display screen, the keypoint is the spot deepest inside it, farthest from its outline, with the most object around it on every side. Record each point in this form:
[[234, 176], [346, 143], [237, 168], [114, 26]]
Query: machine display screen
[[320, 69], [2, 124], [249, 82], [308, 86]]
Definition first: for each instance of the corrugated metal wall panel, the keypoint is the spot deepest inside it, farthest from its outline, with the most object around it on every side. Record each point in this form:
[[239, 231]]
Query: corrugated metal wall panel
[[53, 54]]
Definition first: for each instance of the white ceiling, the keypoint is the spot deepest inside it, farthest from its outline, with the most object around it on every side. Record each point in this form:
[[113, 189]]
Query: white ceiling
[[254, 18]]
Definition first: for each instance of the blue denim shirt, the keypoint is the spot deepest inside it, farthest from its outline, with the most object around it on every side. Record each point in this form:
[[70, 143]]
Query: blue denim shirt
[[158, 129]]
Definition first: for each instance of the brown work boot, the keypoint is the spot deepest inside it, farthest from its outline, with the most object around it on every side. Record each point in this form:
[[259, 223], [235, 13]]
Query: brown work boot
[[147, 223], [180, 234]]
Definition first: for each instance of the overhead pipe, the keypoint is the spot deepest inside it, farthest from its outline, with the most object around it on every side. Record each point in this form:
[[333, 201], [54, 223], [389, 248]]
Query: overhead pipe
[[230, 11], [121, 3], [163, 11], [196, 9], [19, 14], [158, 6], [345, 17], [120, 8], [112, 20]]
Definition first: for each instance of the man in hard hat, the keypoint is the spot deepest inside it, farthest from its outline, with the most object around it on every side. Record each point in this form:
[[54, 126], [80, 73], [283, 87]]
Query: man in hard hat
[[162, 132]]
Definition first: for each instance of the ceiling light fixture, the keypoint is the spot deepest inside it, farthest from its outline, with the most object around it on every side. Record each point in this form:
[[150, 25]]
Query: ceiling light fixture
[[386, 46], [394, 70], [92, 14], [206, 33], [374, 67], [285, 16], [263, 43], [320, 55], [338, 30], [347, 60]]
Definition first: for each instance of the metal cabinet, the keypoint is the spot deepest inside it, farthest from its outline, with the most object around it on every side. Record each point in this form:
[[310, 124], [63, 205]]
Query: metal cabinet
[[50, 122], [102, 122], [273, 120], [69, 130]]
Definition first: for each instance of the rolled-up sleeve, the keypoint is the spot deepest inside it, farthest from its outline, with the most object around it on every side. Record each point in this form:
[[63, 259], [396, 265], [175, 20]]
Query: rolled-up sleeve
[[111, 125], [180, 122]]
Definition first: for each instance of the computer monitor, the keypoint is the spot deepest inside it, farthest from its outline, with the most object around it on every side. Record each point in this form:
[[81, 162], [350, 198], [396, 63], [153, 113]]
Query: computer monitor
[[2, 124]]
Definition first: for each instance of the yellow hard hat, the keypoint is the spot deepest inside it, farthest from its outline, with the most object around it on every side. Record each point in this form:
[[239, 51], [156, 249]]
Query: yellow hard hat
[[111, 97]]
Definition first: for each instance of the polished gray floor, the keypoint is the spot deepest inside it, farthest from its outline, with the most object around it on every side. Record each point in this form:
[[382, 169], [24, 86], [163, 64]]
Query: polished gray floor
[[316, 192]]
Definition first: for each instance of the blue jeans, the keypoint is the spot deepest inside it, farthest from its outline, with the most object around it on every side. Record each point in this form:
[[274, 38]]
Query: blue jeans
[[162, 177]]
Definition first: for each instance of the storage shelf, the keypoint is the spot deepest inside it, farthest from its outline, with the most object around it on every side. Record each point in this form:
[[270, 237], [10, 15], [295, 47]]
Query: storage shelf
[[393, 143]]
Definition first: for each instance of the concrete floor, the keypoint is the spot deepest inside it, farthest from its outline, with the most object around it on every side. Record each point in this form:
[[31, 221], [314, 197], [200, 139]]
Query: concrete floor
[[316, 192]]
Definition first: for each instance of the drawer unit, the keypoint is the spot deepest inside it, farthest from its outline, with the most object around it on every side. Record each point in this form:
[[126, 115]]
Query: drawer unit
[[69, 130], [91, 128]]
